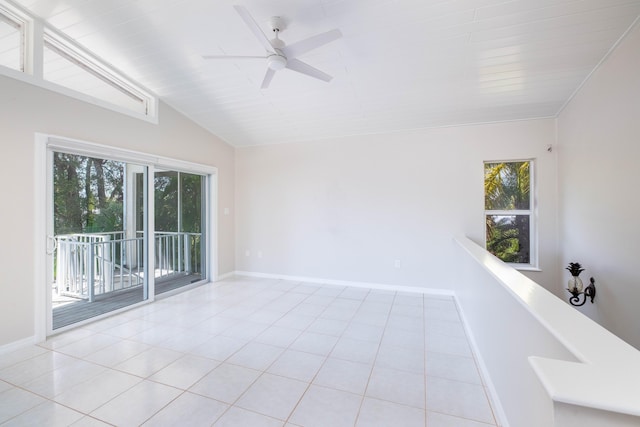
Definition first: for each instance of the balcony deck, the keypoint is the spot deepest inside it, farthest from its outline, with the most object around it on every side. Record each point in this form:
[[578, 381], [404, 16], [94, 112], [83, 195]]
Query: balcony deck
[[79, 309]]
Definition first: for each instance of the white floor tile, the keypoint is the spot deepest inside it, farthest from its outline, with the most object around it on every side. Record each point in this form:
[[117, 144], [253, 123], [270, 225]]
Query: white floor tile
[[435, 419], [297, 365], [440, 343], [185, 341], [90, 422], [256, 352], [444, 327], [219, 347], [148, 362], [245, 330], [402, 387], [402, 358], [89, 395], [442, 313], [30, 369], [363, 332], [459, 399], [311, 342], [381, 413], [188, 410], [21, 355], [295, 321], [236, 417], [408, 323], [322, 407], [278, 336], [15, 401], [117, 353], [185, 372], [405, 298], [136, 405], [273, 396], [226, 382], [356, 350], [61, 379], [256, 355], [403, 338], [344, 375], [452, 367], [48, 414], [328, 326]]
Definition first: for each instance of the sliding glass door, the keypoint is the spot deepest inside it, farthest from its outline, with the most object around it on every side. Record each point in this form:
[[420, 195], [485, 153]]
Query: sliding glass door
[[99, 256], [180, 229], [121, 228]]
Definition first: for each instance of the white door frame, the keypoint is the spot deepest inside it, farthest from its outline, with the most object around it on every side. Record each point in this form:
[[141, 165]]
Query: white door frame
[[43, 193]]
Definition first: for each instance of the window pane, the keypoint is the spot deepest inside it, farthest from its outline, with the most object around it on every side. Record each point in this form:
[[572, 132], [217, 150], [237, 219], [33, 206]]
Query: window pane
[[61, 68], [10, 43], [508, 237], [507, 186], [99, 260]]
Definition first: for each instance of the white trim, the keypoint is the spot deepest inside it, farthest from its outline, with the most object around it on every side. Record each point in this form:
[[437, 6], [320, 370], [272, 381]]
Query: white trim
[[41, 313], [44, 145], [18, 345], [34, 31], [532, 212], [225, 276], [367, 285], [496, 404]]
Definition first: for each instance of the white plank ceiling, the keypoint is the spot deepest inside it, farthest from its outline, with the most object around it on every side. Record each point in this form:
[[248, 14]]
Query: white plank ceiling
[[401, 64]]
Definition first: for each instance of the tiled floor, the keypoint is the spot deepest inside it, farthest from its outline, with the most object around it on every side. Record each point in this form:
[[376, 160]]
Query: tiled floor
[[255, 352]]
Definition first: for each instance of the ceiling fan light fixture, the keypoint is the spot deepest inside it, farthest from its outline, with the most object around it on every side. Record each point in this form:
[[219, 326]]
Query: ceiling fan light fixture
[[276, 62]]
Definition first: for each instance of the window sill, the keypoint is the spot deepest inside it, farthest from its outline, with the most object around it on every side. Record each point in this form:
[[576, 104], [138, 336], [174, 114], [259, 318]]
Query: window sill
[[524, 267]]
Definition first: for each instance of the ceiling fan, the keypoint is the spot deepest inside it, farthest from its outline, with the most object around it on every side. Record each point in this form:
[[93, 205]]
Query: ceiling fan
[[279, 55]]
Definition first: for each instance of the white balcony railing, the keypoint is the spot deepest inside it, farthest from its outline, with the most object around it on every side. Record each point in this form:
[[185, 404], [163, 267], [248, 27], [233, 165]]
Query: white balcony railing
[[92, 264]]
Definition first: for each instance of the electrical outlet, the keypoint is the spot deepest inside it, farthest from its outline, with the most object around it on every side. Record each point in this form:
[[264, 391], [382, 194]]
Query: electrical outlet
[[397, 263], [247, 253]]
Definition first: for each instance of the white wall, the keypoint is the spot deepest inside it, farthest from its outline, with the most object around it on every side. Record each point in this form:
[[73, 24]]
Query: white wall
[[27, 109], [599, 200], [346, 209]]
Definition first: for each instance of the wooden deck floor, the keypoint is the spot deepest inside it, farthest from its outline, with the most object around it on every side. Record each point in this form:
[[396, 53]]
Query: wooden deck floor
[[80, 310]]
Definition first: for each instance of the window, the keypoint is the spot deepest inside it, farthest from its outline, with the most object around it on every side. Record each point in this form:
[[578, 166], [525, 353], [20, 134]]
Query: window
[[32, 51], [68, 66], [508, 204], [12, 39]]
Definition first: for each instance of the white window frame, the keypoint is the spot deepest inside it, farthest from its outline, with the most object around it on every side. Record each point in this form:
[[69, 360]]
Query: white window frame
[[44, 145], [22, 21], [532, 265], [35, 33]]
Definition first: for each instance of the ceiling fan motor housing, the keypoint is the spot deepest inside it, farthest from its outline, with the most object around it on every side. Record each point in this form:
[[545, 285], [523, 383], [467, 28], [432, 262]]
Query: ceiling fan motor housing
[[277, 62]]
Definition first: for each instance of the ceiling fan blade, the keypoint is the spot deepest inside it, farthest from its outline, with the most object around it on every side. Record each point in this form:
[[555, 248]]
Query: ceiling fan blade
[[267, 78], [301, 67], [254, 27], [232, 57], [304, 46]]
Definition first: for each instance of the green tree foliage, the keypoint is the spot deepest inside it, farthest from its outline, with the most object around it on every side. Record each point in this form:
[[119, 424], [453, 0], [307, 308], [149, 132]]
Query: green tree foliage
[[87, 194], [507, 187]]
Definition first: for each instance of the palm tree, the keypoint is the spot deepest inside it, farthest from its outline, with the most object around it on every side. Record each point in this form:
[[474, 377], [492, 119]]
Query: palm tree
[[507, 188]]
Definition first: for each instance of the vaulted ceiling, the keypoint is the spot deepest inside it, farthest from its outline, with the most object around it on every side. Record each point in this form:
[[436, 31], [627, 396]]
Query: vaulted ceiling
[[401, 64]]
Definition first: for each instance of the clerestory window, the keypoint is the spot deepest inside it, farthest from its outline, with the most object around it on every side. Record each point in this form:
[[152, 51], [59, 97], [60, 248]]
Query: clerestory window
[[68, 66], [12, 39], [509, 211], [45, 57]]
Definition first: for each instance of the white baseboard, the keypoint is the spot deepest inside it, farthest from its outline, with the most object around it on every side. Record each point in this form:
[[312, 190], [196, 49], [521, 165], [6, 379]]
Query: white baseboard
[[17, 345], [499, 413], [367, 285], [224, 276]]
